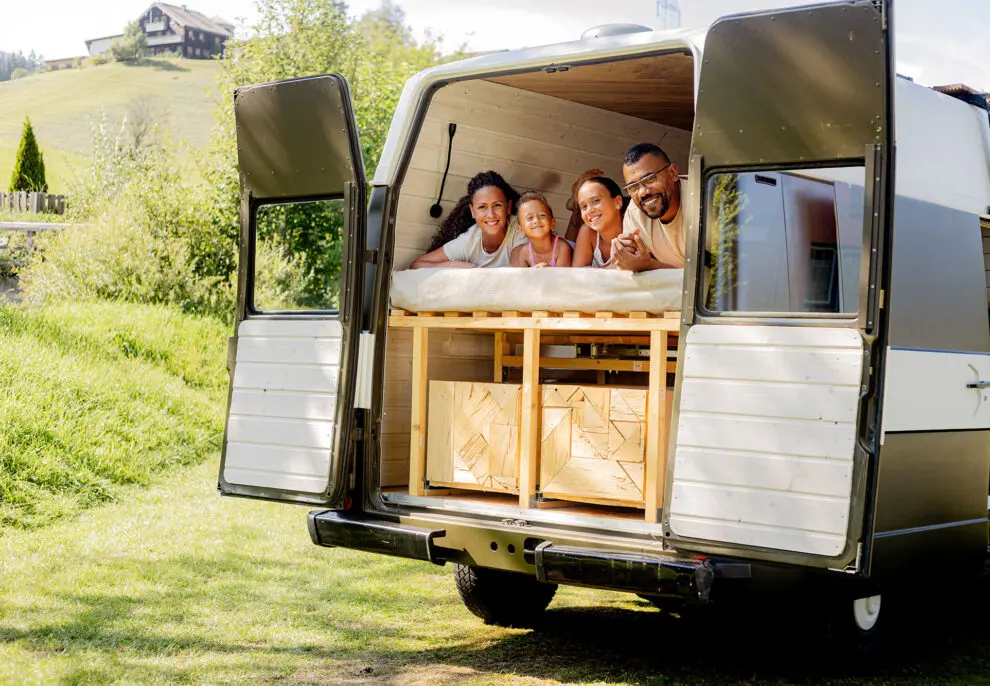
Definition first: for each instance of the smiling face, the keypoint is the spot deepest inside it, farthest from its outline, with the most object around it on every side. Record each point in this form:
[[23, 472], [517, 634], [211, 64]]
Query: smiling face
[[536, 219], [490, 209], [598, 209], [652, 185]]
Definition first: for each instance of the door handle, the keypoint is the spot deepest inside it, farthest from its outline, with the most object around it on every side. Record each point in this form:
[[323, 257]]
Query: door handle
[[978, 384]]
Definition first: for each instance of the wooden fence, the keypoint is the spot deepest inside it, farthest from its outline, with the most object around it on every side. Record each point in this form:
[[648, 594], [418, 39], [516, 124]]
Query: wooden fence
[[24, 201], [30, 229]]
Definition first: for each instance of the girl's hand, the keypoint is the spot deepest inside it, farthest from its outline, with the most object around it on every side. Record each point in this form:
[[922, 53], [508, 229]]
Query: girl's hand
[[541, 265]]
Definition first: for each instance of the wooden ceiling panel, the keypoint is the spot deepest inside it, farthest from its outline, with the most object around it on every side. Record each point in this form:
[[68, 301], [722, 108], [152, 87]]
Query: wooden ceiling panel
[[659, 88]]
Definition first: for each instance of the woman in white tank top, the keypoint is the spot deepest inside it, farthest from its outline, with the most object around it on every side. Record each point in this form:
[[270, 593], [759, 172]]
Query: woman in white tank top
[[600, 201]]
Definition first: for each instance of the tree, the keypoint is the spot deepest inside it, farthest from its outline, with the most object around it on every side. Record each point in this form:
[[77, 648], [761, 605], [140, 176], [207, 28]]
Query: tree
[[131, 46], [376, 54], [11, 62], [29, 167]]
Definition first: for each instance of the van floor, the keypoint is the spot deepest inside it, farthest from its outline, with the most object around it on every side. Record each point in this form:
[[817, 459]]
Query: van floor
[[556, 511]]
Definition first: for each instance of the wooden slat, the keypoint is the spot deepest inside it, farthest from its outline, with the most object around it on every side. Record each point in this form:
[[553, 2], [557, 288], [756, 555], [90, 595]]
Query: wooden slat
[[656, 428], [499, 355], [581, 363], [542, 323], [529, 424], [417, 429]]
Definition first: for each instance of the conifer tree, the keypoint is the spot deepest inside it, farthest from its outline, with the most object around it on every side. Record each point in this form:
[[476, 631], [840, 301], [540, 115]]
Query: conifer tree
[[29, 168]]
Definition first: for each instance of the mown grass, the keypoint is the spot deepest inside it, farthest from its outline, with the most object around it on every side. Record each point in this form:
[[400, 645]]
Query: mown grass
[[175, 585], [168, 583], [98, 396]]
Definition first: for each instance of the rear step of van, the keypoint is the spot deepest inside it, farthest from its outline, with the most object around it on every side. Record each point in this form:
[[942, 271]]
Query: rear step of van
[[655, 574]]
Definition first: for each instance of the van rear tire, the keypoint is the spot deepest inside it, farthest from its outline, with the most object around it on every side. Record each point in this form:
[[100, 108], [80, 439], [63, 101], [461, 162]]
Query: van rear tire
[[508, 599]]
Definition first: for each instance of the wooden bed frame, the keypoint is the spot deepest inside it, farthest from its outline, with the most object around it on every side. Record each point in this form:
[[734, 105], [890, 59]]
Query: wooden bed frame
[[659, 330]]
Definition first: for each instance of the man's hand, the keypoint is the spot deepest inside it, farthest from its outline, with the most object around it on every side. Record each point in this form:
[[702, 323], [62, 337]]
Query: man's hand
[[630, 254]]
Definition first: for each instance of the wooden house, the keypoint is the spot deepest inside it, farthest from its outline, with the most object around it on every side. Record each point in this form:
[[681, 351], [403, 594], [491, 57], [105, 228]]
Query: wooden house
[[172, 29]]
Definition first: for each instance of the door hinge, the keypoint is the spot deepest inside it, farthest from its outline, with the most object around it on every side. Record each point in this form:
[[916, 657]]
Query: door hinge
[[881, 298], [365, 368], [371, 256]]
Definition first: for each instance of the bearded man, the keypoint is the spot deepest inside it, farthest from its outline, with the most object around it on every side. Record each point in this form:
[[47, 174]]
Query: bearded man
[[653, 227]]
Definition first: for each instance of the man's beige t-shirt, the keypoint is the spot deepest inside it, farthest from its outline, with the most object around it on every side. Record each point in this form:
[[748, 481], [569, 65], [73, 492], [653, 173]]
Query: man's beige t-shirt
[[664, 241], [469, 247]]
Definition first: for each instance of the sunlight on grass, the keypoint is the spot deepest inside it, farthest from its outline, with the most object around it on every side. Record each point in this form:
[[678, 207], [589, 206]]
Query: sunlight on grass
[[98, 396]]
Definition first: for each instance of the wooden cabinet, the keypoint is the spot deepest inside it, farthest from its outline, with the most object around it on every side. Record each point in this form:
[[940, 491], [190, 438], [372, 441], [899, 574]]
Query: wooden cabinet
[[473, 435], [593, 444]]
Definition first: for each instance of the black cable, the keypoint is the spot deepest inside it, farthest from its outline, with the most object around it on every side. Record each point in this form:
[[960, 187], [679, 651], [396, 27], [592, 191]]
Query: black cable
[[436, 210]]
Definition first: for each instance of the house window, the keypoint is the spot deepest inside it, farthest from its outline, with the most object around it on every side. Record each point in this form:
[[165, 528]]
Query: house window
[[201, 35], [192, 34]]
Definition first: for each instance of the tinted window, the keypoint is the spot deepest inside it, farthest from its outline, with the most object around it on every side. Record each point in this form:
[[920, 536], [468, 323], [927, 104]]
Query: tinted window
[[784, 242]]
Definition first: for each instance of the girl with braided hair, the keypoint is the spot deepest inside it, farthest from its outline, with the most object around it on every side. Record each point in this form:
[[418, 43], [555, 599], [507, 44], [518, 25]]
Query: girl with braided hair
[[478, 231]]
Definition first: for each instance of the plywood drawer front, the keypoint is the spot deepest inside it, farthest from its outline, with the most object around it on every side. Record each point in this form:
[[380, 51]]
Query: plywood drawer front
[[473, 435], [593, 443]]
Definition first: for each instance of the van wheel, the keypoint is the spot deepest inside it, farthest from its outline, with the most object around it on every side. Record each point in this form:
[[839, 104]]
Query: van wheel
[[503, 598], [858, 627]]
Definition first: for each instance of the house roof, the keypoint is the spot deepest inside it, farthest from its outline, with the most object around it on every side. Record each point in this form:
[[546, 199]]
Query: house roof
[[191, 19]]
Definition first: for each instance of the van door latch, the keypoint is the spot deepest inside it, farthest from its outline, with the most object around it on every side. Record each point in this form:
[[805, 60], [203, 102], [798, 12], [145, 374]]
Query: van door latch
[[978, 384]]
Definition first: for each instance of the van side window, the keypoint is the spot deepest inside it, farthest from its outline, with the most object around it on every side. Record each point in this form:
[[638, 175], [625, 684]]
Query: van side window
[[784, 242], [297, 251]]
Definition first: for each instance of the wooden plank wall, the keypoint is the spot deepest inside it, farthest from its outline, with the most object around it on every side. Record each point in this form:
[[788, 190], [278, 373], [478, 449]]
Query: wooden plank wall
[[453, 356], [535, 141]]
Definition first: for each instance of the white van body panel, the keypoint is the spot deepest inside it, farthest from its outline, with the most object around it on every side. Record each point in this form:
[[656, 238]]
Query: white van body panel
[[927, 391], [766, 436], [281, 428]]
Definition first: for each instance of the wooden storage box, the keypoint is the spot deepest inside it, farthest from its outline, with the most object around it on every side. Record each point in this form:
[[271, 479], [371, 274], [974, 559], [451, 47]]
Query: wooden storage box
[[473, 436], [593, 444]]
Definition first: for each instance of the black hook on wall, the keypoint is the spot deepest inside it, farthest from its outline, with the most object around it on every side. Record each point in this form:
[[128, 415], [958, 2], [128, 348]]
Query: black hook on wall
[[436, 210]]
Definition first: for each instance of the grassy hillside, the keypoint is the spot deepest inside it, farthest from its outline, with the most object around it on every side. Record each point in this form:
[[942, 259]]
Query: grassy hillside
[[62, 104], [99, 396]]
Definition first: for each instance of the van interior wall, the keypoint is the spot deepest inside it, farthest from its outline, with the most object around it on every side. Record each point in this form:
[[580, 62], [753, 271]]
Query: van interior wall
[[537, 142]]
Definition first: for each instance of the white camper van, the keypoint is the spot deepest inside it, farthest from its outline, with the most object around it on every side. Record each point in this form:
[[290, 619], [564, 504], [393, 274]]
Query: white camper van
[[809, 396]]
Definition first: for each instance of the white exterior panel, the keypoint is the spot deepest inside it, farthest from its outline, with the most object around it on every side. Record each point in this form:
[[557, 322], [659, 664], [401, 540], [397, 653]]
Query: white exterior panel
[[925, 390], [280, 430], [766, 436]]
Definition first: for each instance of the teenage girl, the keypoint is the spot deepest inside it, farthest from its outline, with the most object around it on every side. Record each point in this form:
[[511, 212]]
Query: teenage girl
[[545, 248], [600, 201]]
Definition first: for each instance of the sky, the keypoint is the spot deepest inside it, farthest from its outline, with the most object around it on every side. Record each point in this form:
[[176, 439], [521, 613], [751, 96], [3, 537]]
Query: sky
[[936, 43]]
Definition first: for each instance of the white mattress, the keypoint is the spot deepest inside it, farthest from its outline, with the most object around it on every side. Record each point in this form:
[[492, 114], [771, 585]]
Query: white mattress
[[526, 290]]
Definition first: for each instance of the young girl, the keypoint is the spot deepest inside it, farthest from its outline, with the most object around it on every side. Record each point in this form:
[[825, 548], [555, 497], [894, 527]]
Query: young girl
[[545, 249], [600, 201], [478, 231]]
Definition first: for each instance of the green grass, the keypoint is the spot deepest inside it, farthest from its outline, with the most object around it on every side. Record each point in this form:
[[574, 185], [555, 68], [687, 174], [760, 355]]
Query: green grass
[[98, 396], [61, 105], [168, 583], [176, 585]]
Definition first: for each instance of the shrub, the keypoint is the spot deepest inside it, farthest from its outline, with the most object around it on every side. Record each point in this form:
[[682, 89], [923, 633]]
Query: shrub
[[29, 167], [131, 46]]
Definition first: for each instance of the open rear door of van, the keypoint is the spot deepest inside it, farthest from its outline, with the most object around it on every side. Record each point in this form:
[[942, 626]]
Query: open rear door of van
[[294, 358], [790, 178]]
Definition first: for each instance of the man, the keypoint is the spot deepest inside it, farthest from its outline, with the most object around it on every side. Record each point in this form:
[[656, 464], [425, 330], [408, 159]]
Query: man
[[653, 227]]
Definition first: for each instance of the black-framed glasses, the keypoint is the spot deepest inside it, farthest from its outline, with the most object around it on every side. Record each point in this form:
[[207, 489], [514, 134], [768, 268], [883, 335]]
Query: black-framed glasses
[[648, 181]]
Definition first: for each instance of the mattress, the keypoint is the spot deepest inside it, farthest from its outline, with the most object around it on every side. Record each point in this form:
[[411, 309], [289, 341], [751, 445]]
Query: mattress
[[528, 290]]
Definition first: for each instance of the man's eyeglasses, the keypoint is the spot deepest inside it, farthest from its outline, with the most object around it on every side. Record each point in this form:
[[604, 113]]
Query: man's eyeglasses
[[648, 181]]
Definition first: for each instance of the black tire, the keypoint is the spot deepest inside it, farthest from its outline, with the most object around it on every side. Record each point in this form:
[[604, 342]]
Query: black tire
[[502, 598]]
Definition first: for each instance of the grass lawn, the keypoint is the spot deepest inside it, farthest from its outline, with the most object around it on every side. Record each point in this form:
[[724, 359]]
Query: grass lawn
[[62, 104], [167, 583], [176, 585]]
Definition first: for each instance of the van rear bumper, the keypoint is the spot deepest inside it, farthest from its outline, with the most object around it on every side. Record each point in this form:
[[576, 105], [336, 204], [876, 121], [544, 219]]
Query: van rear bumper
[[655, 574], [338, 530]]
